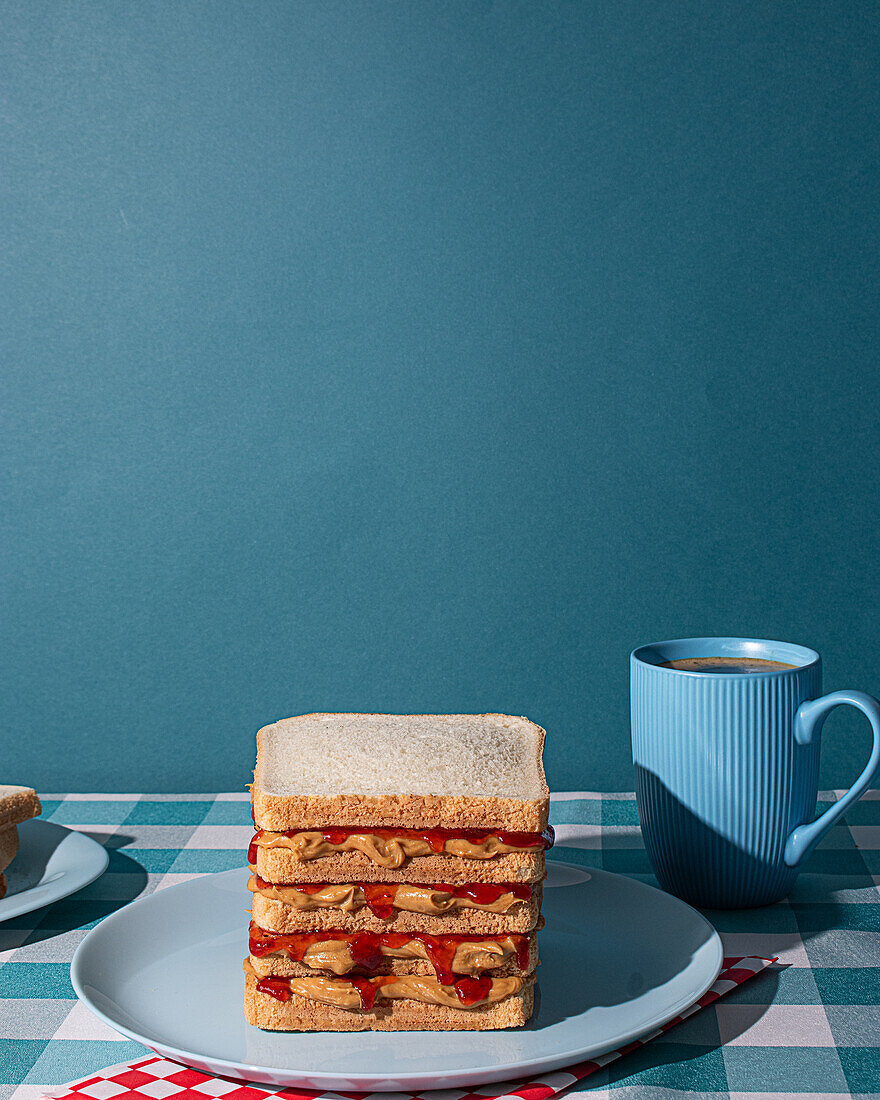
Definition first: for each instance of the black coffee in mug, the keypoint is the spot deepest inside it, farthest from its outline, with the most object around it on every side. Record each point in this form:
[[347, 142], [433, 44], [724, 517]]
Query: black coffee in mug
[[725, 664]]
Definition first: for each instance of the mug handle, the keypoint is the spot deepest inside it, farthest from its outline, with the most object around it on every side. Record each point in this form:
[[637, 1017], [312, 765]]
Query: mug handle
[[807, 725]]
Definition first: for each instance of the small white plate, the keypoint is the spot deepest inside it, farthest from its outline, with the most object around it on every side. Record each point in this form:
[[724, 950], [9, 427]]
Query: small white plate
[[51, 863], [618, 958]]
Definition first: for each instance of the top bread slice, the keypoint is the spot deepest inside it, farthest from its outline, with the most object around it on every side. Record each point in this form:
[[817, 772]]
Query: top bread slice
[[471, 771], [18, 804]]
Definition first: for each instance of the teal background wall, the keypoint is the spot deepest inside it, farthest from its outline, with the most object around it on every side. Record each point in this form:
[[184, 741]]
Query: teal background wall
[[426, 357]]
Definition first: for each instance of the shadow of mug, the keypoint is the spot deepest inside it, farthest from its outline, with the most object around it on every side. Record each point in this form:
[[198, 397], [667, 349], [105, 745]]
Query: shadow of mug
[[727, 767]]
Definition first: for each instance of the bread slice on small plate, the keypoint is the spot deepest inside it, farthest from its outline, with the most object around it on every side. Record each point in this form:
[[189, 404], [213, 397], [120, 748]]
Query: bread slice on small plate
[[18, 804], [473, 771], [8, 845]]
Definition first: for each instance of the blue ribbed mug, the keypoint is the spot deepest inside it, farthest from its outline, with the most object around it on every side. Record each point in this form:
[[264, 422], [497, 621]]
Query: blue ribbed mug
[[727, 767]]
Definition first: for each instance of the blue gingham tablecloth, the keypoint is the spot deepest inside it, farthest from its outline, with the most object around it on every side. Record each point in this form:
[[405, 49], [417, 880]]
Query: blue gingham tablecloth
[[810, 1026]]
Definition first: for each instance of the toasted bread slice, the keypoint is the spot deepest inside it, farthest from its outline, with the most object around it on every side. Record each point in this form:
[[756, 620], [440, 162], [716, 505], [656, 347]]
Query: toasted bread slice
[[304, 1014], [276, 916], [481, 771], [18, 804], [281, 865], [2, 885], [8, 845]]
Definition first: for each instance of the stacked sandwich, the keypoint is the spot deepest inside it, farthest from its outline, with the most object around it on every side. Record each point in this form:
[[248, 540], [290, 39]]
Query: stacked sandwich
[[396, 872], [17, 805]]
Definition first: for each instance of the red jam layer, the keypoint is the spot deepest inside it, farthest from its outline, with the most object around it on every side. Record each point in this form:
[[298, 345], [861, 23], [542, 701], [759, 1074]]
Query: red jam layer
[[470, 991], [365, 947], [380, 895], [434, 838]]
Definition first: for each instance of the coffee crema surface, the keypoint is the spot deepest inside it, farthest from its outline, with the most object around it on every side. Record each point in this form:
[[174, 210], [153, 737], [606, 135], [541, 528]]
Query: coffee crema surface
[[725, 664]]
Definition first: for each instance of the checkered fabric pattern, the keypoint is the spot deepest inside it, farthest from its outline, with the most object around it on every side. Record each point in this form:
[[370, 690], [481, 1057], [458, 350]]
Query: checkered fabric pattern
[[158, 1079], [808, 1026]]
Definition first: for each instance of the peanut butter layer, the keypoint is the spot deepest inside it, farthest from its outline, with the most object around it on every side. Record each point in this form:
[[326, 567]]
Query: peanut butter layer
[[469, 958], [390, 852], [413, 987], [348, 897]]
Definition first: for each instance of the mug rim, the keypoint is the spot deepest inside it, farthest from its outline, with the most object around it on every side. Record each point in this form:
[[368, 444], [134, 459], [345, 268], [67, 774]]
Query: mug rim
[[802, 656]]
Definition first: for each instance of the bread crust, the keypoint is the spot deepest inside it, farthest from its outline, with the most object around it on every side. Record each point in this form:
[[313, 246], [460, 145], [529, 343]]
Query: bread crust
[[281, 865], [408, 811], [8, 845], [302, 1014], [280, 966], [18, 804], [275, 916], [277, 813]]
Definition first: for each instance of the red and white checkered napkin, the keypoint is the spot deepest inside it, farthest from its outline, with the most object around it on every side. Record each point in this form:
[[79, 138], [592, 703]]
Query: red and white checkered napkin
[[158, 1079]]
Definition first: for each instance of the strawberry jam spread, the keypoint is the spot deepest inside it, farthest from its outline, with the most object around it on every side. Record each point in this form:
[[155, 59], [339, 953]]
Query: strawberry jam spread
[[365, 948], [434, 839], [379, 896], [278, 988]]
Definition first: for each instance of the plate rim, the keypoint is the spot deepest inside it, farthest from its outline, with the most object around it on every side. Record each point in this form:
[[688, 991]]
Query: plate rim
[[71, 880], [509, 1071]]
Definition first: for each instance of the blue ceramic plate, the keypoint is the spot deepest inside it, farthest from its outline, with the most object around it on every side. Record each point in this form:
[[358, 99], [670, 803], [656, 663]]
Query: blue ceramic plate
[[51, 863], [618, 958]]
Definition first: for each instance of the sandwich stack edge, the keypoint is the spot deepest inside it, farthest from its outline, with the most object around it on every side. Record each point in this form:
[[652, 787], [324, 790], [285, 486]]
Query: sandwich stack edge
[[393, 913]]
